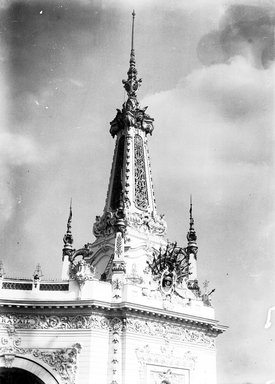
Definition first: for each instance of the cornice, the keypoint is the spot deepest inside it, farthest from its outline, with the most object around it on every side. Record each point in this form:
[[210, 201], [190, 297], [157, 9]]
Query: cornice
[[121, 310]]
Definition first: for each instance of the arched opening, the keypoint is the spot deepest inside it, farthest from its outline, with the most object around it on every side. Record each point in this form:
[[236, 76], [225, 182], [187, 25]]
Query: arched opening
[[18, 375], [22, 370]]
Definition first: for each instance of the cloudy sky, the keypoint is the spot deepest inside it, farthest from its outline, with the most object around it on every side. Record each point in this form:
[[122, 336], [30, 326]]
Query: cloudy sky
[[208, 81]]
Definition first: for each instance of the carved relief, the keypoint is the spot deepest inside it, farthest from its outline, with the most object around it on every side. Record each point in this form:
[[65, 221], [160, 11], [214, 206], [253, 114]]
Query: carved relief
[[132, 116], [166, 377], [170, 269], [134, 278], [117, 285], [82, 272], [20, 321], [163, 357], [141, 192], [119, 246], [104, 225], [147, 223], [141, 326], [61, 360], [116, 326], [169, 332]]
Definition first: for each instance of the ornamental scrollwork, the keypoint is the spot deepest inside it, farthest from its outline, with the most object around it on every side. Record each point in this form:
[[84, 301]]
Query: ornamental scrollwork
[[24, 321], [169, 332], [61, 360]]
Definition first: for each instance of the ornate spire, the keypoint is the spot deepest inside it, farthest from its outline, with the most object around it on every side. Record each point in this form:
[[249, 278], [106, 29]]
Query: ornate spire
[[130, 197], [68, 237], [131, 114], [191, 235], [192, 247], [132, 83]]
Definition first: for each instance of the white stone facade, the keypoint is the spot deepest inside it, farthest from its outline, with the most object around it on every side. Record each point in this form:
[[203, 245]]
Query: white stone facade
[[62, 338], [128, 308]]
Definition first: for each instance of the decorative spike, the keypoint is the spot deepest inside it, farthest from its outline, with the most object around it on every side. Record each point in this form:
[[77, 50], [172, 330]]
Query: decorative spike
[[132, 83], [68, 237], [191, 235], [69, 223], [191, 213], [132, 41]]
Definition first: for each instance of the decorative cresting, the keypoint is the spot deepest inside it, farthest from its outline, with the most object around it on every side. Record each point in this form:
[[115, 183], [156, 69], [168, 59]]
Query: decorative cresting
[[141, 191], [61, 360]]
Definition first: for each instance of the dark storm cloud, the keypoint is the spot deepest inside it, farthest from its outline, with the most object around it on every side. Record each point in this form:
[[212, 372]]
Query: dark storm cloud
[[244, 30]]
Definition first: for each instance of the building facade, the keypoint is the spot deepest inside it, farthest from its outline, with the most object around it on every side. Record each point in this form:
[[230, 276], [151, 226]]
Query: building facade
[[128, 307]]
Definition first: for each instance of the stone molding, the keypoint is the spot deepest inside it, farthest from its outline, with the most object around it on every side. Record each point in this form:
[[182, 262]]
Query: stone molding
[[61, 360]]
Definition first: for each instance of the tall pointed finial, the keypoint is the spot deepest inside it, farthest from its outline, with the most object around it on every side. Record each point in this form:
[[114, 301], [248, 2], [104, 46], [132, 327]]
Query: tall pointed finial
[[191, 212], [191, 235], [69, 223], [133, 31], [68, 237], [132, 83]]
